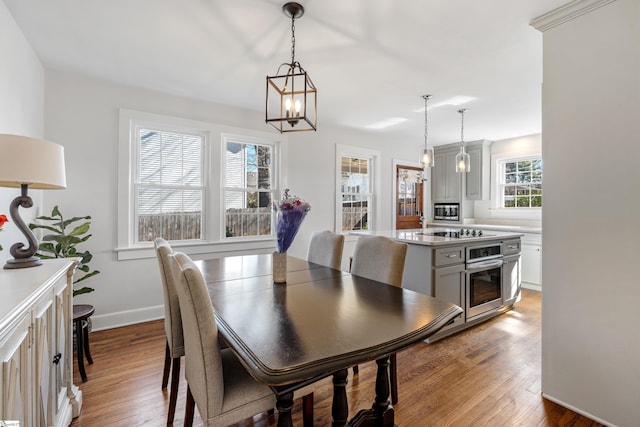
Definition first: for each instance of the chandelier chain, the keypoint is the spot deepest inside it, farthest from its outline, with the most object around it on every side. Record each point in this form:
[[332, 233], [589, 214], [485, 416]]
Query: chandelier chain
[[293, 40]]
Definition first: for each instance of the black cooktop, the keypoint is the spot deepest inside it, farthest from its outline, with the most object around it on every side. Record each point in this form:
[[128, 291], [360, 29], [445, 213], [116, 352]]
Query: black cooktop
[[452, 234], [458, 234]]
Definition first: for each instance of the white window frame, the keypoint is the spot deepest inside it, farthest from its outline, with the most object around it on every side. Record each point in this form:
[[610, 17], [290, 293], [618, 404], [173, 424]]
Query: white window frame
[[136, 184], [374, 176], [243, 139], [214, 239], [500, 184]]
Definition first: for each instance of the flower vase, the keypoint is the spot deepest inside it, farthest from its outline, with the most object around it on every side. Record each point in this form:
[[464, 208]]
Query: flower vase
[[279, 264]]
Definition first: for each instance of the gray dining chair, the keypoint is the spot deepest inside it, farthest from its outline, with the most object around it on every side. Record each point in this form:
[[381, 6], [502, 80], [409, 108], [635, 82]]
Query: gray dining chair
[[381, 259], [325, 248], [217, 383], [172, 327]]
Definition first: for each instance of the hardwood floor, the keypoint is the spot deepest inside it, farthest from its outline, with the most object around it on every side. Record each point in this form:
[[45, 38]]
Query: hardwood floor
[[488, 375]]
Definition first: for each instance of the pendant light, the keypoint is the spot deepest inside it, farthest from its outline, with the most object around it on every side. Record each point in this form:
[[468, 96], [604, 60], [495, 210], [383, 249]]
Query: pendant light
[[427, 152], [291, 96], [463, 161]]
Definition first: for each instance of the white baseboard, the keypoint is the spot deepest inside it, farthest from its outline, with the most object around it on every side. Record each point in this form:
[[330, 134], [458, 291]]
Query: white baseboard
[[124, 318], [532, 286], [577, 410]]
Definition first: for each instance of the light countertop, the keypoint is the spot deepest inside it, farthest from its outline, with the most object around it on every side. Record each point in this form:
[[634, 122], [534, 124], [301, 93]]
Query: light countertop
[[421, 237], [496, 227]]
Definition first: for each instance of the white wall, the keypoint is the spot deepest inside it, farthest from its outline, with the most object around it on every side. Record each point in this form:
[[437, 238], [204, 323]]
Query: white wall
[[81, 113], [590, 305], [21, 110]]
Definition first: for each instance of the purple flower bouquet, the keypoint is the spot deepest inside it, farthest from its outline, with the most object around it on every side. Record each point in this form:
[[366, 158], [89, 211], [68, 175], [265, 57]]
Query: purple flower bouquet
[[291, 210]]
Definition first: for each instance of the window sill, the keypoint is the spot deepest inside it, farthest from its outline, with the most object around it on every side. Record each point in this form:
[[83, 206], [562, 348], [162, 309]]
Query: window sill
[[213, 249]]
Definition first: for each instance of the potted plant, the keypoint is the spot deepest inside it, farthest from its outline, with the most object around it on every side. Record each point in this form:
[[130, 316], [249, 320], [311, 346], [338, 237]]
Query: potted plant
[[61, 243]]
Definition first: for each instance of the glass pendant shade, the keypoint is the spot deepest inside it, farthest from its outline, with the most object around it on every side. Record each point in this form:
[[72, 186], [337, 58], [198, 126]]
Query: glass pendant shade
[[463, 161], [427, 157]]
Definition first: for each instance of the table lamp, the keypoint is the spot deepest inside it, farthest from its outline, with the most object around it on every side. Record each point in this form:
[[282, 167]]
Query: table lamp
[[28, 162]]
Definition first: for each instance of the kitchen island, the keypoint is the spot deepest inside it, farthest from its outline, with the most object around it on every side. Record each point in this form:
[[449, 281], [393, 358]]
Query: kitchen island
[[478, 271], [531, 244]]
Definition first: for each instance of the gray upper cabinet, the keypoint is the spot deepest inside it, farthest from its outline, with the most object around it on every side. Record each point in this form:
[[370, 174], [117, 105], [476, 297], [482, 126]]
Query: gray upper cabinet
[[445, 182], [478, 177]]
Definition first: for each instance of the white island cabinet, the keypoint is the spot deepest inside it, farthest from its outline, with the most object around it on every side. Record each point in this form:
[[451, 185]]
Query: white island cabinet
[[36, 345]]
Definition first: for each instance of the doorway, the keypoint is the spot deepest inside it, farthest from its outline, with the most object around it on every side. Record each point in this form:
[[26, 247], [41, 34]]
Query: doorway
[[409, 197]]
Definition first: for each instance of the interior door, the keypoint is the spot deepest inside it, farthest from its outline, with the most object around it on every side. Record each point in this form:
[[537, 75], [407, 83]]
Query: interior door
[[409, 196]]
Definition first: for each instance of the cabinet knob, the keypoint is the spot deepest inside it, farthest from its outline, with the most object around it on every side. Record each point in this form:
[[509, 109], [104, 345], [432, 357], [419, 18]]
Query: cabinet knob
[[56, 358], [452, 256]]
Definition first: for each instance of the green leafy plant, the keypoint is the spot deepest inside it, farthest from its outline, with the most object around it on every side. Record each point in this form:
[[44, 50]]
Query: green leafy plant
[[61, 243]]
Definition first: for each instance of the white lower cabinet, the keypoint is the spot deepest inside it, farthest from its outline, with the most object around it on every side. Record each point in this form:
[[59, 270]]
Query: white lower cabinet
[[511, 279], [16, 373], [532, 264], [36, 345]]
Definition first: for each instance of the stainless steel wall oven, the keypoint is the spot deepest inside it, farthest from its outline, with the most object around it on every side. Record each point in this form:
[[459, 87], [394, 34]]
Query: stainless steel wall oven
[[483, 279]]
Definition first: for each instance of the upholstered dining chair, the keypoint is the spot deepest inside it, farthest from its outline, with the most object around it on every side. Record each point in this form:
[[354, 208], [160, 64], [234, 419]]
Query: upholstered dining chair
[[217, 383], [325, 248], [172, 327], [381, 259]]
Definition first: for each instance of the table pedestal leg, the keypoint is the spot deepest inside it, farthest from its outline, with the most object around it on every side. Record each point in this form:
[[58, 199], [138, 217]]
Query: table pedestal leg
[[284, 403], [340, 406], [381, 414]]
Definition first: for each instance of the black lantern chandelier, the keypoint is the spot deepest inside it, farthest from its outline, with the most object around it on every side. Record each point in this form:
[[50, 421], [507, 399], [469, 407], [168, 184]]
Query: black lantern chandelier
[[291, 97]]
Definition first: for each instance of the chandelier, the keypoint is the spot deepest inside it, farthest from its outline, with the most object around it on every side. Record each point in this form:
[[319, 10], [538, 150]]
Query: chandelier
[[291, 96]]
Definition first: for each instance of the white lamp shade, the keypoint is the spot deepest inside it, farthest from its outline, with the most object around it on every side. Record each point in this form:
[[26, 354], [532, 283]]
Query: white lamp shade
[[36, 162]]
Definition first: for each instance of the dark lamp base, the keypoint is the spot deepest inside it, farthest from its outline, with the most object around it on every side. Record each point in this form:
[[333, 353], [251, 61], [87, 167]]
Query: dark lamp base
[[22, 263]]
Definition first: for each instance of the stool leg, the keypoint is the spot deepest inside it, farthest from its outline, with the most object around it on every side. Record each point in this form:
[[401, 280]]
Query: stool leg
[[80, 348], [87, 353]]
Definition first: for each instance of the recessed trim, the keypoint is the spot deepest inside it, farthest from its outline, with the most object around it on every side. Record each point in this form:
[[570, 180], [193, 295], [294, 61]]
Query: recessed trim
[[566, 13]]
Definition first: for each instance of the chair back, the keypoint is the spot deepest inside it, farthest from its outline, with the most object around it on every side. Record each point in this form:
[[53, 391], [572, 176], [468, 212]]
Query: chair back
[[203, 361], [379, 258], [172, 318], [325, 248]]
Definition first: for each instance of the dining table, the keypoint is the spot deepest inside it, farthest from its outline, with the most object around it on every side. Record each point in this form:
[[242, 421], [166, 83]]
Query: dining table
[[318, 324]]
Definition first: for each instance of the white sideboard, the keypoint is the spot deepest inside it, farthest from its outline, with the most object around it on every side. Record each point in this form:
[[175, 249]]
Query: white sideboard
[[36, 345]]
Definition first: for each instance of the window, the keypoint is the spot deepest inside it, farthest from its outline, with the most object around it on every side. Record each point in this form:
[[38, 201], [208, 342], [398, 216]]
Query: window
[[202, 186], [355, 188], [169, 189], [248, 189], [521, 183]]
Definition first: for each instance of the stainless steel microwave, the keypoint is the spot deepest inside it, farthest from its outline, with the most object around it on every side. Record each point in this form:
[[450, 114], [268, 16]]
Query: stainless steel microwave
[[446, 211]]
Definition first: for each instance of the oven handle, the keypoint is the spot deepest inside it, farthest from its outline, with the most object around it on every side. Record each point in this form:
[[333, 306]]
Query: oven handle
[[484, 265]]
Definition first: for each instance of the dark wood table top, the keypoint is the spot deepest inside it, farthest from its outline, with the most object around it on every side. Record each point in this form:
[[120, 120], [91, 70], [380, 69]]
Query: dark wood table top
[[320, 321]]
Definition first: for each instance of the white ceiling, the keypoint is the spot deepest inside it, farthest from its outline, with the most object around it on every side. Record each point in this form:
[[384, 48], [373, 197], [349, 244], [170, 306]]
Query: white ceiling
[[371, 60]]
